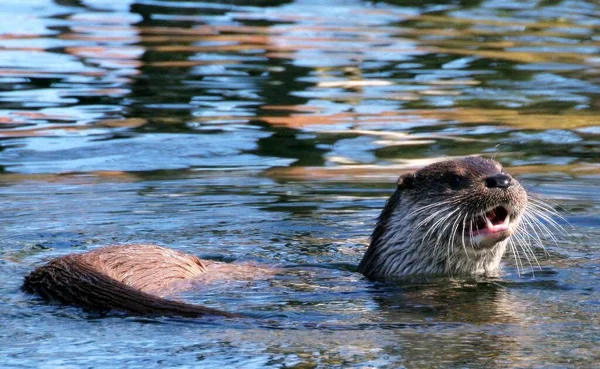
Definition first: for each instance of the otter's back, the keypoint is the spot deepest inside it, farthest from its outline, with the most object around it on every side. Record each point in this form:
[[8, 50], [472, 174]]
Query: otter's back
[[122, 278], [148, 268]]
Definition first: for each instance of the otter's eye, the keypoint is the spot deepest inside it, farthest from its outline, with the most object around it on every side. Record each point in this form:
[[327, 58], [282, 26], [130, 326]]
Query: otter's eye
[[456, 181]]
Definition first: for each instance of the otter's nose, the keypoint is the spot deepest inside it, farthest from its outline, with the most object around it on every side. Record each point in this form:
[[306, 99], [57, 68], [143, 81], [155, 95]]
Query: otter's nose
[[500, 180]]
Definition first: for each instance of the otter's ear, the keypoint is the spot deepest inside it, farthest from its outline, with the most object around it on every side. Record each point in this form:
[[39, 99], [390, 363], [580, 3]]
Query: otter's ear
[[406, 181]]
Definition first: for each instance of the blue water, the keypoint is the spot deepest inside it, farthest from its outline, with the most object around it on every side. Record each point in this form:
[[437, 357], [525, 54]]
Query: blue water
[[272, 132]]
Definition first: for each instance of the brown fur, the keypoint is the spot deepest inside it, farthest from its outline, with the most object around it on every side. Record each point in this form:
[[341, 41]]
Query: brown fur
[[126, 278]]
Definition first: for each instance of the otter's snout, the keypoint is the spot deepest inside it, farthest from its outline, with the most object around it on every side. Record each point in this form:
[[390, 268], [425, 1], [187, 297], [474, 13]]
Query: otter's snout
[[500, 180]]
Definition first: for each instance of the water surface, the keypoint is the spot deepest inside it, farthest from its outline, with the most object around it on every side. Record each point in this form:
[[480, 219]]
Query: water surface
[[272, 132]]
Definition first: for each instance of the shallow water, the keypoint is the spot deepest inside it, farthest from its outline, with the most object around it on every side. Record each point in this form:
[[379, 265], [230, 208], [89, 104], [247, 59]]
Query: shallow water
[[272, 132]]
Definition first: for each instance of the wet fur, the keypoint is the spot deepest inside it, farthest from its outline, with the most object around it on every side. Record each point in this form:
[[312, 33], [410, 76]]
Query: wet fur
[[127, 278]]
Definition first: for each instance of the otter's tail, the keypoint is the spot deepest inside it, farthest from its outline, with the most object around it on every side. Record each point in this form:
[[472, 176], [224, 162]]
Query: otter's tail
[[78, 284]]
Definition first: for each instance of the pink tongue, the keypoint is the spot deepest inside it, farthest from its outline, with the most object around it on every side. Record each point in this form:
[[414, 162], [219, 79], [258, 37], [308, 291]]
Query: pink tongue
[[489, 227], [496, 228]]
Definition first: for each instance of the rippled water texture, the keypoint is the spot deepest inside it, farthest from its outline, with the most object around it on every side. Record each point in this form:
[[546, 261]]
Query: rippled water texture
[[272, 132]]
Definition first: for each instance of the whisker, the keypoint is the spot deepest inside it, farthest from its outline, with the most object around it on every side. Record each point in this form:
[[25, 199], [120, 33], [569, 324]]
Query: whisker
[[512, 249], [439, 223], [529, 222], [545, 208], [522, 242], [427, 207], [547, 204], [454, 234], [535, 223], [464, 227], [551, 222]]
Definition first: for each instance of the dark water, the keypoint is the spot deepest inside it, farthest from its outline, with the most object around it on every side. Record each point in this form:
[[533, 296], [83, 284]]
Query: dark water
[[272, 132]]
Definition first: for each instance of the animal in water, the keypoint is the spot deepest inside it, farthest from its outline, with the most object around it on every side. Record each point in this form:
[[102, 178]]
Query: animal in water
[[455, 218]]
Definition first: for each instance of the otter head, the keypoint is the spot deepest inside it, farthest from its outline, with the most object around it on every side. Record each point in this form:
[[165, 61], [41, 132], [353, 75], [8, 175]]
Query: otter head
[[452, 217]]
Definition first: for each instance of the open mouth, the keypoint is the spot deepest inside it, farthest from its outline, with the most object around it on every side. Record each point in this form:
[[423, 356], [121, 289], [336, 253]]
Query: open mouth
[[493, 221]]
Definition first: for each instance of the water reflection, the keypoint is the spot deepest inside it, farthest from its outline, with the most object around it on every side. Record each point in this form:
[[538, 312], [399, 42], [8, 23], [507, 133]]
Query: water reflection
[[273, 131], [207, 68]]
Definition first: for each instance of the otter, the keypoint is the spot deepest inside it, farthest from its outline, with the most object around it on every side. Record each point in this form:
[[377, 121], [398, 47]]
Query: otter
[[450, 218], [454, 217]]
